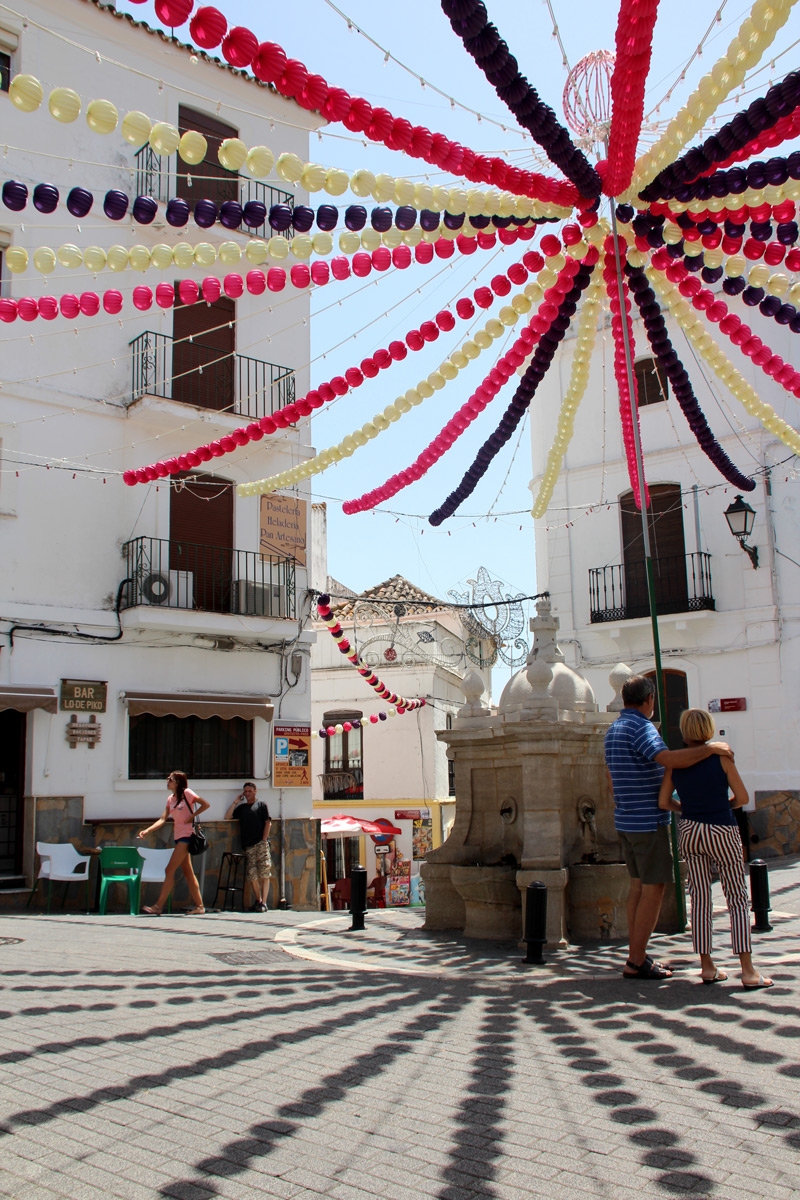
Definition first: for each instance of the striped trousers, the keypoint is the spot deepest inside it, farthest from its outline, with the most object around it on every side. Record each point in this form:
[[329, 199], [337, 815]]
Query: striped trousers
[[703, 847]]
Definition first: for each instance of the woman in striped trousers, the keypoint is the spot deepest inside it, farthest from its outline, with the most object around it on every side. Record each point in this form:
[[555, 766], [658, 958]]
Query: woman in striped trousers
[[709, 837]]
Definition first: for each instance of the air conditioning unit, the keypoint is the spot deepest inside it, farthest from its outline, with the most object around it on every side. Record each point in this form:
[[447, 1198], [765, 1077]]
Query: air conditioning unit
[[170, 589], [259, 599]]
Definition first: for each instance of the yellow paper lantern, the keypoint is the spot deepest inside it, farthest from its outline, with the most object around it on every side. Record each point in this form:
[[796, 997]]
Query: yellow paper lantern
[[313, 177], [459, 359], [349, 241], [44, 259], [370, 239], [362, 183], [192, 147], [164, 138], [161, 256], [301, 245], [482, 338], [470, 349], [183, 255], [384, 187], [278, 248], [393, 237], [256, 251], [260, 161], [508, 315], [64, 105], [381, 422], [290, 167], [16, 259], [229, 253], [778, 284], [436, 380], [494, 328], [101, 116], [423, 391], [136, 127], [94, 259], [70, 255], [205, 254], [139, 258], [413, 236], [402, 405], [337, 182], [117, 258], [759, 274], [232, 154], [403, 191], [448, 369], [26, 93], [322, 243]]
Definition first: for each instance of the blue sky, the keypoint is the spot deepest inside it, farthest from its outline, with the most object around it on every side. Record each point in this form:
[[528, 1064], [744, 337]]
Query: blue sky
[[367, 548]]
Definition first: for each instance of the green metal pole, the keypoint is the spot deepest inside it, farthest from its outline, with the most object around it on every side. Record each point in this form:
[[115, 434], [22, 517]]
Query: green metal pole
[[680, 899]]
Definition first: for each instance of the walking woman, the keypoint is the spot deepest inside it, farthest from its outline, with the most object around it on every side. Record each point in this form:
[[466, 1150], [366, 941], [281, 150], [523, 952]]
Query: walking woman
[[182, 806], [709, 837]]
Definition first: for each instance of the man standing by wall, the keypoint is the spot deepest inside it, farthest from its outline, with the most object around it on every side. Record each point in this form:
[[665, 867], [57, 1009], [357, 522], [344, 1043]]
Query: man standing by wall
[[635, 758], [254, 826]]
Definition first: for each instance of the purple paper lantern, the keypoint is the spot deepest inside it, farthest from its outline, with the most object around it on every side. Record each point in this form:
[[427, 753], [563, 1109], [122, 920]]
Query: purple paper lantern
[[327, 217], [177, 213], [429, 220], [302, 218], [79, 202], [355, 217], [405, 217], [205, 213], [45, 197], [254, 214], [230, 214], [381, 218], [115, 205], [280, 217], [455, 220], [144, 210], [15, 195]]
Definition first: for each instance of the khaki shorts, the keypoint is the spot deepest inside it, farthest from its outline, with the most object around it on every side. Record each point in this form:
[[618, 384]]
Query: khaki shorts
[[648, 856], [259, 862]]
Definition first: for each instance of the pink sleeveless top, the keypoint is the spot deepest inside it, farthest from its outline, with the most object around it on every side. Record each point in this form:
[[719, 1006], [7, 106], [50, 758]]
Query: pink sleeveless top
[[182, 813]]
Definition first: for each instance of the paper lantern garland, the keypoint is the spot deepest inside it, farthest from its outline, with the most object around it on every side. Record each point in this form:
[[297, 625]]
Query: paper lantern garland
[[337, 633], [635, 25], [628, 404]]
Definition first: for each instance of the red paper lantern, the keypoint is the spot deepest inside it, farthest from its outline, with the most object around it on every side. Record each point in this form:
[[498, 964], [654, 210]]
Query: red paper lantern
[[90, 304], [211, 289], [189, 291], [165, 295], [8, 310], [300, 275], [112, 301], [129, 477], [233, 285], [340, 266], [465, 309], [381, 258], [48, 307], [27, 308], [423, 253], [401, 257], [320, 273], [207, 27], [142, 298], [269, 62], [70, 306], [276, 279], [362, 264], [173, 12], [293, 79], [240, 46], [256, 283]]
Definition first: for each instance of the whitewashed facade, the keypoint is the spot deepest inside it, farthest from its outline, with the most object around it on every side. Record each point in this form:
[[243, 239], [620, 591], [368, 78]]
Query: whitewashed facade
[[70, 536], [733, 632]]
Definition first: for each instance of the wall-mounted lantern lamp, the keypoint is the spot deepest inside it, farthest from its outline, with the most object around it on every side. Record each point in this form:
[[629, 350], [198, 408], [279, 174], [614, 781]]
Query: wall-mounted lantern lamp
[[740, 517]]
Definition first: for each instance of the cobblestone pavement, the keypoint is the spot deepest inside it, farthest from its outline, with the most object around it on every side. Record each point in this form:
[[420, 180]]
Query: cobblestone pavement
[[279, 1056]]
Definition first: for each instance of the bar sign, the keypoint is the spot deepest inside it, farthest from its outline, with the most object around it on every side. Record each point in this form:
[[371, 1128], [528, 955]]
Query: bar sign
[[728, 704]]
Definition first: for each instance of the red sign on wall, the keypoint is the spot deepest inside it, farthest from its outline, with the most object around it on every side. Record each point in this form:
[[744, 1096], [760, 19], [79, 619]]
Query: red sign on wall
[[728, 704]]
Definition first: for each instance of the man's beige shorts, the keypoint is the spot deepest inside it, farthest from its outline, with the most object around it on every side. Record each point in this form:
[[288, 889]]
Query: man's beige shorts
[[648, 856], [259, 862]]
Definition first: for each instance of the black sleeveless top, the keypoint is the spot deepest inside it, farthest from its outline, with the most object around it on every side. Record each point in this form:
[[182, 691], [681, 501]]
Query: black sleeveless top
[[703, 791]]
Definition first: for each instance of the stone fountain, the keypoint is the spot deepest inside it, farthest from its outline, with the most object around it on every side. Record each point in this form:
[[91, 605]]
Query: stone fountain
[[532, 803]]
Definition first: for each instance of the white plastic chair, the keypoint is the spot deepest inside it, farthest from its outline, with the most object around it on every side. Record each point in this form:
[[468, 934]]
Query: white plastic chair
[[61, 863], [155, 867]]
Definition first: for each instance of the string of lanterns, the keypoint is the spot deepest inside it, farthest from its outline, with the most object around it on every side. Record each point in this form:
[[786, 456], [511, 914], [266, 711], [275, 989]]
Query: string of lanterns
[[400, 703], [755, 35], [353, 377], [576, 389], [628, 404], [269, 63], [634, 39], [474, 406]]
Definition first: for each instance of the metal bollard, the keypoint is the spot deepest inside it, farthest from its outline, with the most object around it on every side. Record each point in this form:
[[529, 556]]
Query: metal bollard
[[535, 921], [759, 894], [358, 897]]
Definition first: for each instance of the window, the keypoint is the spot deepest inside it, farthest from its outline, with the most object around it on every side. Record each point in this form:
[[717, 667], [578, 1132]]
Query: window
[[451, 766], [652, 385], [677, 697], [203, 363], [208, 180], [5, 70], [205, 748], [201, 539], [665, 519], [344, 771]]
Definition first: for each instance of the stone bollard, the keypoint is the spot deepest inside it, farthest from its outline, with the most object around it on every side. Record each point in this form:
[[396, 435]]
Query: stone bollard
[[358, 898], [759, 893], [535, 922]]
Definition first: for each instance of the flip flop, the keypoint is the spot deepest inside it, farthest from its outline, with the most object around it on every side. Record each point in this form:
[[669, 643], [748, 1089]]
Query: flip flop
[[762, 983], [152, 911], [718, 978]]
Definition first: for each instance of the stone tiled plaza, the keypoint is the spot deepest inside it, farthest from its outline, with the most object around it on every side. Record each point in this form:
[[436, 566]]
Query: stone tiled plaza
[[279, 1056]]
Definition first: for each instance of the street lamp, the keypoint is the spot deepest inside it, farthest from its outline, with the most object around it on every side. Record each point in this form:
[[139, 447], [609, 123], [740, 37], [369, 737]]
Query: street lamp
[[740, 517]]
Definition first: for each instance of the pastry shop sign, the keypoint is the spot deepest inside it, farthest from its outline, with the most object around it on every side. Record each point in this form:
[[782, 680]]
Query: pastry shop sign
[[83, 695]]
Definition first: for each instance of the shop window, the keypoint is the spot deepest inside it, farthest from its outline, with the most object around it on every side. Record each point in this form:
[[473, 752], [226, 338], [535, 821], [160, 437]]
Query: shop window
[[652, 385], [344, 766], [203, 747]]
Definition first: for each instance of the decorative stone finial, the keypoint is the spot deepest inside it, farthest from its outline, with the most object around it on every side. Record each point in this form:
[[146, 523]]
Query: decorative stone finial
[[473, 687], [618, 678], [544, 627]]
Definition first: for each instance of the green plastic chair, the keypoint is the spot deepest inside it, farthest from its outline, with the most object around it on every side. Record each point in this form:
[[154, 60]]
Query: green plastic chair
[[121, 864]]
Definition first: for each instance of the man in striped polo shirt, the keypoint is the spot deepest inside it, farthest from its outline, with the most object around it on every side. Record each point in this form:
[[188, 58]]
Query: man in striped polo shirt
[[635, 758]]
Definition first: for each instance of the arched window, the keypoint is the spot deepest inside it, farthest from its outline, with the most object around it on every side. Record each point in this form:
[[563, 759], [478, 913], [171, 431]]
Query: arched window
[[652, 385]]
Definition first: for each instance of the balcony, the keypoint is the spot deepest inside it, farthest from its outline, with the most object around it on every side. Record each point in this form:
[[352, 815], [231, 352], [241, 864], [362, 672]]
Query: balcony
[[195, 373], [154, 178], [682, 584], [343, 784], [181, 575]]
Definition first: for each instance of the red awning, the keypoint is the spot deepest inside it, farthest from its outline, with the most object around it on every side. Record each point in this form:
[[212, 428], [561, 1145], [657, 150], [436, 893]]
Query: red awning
[[341, 825]]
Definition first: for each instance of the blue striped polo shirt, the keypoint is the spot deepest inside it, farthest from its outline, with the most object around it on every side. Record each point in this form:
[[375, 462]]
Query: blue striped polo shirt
[[631, 745]]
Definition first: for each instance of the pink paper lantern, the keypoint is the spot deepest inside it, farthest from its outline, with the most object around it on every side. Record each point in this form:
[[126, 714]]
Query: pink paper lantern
[[8, 310], [320, 273], [276, 279], [256, 283], [233, 285], [112, 301], [211, 289], [70, 306], [90, 304], [207, 27], [142, 297], [340, 267], [27, 308], [189, 291], [300, 275], [165, 295], [240, 46]]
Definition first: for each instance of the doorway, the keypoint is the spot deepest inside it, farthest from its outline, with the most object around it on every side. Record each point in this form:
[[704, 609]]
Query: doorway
[[201, 540], [677, 696], [209, 180], [12, 789], [668, 549], [203, 362]]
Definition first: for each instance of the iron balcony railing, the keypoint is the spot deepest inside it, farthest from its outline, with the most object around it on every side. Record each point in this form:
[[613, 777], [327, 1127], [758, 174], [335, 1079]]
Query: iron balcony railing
[[154, 178], [173, 574], [343, 783], [196, 373], [682, 584]]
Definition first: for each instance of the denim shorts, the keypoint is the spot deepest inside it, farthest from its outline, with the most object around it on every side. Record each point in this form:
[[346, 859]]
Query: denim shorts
[[180, 841]]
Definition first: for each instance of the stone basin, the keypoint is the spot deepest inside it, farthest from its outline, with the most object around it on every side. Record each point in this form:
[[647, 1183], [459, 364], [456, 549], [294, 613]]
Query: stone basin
[[492, 901]]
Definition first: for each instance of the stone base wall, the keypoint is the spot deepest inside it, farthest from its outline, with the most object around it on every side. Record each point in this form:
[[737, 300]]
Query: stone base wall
[[775, 825], [60, 819]]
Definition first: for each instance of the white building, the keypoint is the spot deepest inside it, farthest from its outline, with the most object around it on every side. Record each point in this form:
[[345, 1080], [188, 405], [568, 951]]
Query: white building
[[395, 770], [170, 600], [729, 632]]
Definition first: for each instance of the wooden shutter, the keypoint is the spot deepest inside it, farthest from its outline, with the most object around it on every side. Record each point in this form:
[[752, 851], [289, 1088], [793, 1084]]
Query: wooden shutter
[[215, 183], [668, 548], [201, 538], [204, 368], [677, 696]]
